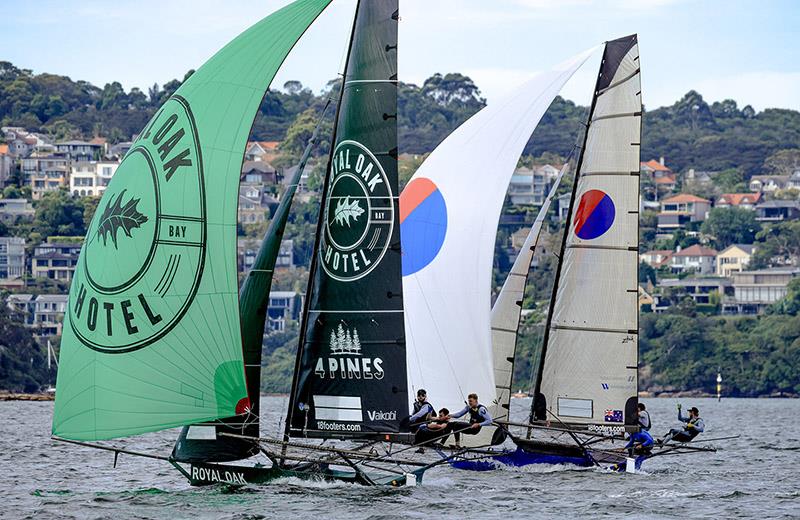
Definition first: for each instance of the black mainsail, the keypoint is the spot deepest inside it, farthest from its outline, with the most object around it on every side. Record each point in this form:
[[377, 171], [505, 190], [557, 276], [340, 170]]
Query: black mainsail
[[350, 377]]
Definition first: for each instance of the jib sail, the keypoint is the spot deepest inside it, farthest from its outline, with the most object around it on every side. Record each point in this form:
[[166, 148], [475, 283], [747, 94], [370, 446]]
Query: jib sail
[[589, 370], [152, 338], [351, 366]]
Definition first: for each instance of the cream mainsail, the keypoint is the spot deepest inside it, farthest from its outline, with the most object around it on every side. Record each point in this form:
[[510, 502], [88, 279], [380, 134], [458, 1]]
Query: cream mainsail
[[589, 370]]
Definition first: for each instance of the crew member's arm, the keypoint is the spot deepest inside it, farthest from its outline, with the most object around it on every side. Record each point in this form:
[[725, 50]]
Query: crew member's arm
[[425, 410], [681, 418], [484, 413], [459, 414]]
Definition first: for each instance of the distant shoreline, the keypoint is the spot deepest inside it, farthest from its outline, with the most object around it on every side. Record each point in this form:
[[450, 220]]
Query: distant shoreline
[[14, 396]]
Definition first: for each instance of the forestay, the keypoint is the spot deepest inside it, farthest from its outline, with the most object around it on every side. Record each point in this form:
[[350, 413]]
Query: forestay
[[152, 338], [589, 374], [449, 215]]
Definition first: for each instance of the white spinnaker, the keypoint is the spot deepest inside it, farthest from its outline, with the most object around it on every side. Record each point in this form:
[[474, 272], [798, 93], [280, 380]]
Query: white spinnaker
[[589, 374], [448, 302]]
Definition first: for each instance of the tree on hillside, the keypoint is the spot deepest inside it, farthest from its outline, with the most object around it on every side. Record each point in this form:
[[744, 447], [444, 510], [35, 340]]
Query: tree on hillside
[[783, 162], [22, 361], [726, 226], [777, 244], [790, 304], [57, 213]]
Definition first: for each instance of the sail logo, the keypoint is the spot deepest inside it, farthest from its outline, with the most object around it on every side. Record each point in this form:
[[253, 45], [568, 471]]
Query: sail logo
[[144, 254], [379, 415], [595, 215], [346, 360], [423, 224], [359, 214]]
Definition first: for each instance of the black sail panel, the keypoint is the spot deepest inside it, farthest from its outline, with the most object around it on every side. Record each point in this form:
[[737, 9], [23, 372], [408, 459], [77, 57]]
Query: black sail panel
[[351, 370]]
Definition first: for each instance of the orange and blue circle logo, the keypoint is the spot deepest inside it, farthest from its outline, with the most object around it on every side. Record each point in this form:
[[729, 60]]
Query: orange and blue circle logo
[[595, 215], [423, 224]]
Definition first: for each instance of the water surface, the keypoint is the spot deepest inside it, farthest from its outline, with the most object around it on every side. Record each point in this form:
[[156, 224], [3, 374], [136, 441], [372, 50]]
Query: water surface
[[755, 476]]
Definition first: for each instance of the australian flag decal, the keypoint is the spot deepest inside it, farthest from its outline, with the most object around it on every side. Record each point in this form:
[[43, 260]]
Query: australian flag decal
[[614, 416]]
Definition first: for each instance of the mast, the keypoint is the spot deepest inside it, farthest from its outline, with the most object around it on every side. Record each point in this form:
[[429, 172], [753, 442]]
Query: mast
[[538, 406], [588, 366], [350, 375]]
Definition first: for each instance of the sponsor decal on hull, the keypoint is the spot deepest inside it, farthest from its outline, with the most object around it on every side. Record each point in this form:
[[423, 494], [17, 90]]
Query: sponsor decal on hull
[[211, 475]]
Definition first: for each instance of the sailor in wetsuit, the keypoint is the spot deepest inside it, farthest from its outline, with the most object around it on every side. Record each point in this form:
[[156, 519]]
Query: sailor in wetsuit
[[423, 411], [644, 418], [437, 428], [640, 443], [694, 426], [478, 418]]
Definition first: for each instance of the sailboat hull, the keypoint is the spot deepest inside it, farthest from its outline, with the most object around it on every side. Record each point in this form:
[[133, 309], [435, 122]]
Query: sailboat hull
[[525, 457], [208, 474]]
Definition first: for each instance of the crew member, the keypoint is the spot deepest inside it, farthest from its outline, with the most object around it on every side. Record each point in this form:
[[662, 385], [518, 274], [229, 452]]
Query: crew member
[[644, 418], [423, 411], [478, 418], [438, 427], [694, 426], [640, 443]]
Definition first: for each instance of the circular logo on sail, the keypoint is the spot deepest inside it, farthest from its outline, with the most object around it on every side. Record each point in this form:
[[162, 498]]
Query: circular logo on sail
[[144, 252], [359, 214], [595, 215], [423, 224]]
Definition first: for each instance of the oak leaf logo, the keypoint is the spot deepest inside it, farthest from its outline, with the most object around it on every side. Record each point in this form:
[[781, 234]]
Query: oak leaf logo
[[345, 210], [117, 216]]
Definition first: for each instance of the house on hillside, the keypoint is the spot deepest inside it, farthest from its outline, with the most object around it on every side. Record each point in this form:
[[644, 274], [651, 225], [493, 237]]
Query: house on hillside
[[43, 313], [703, 290], [80, 150], [283, 306], [697, 259], [777, 210], [90, 179], [754, 291], [656, 168], [656, 258], [680, 210], [734, 258], [16, 210], [701, 178], [768, 183], [6, 164], [12, 261], [520, 188], [55, 261], [44, 173], [259, 172], [738, 200], [265, 151]]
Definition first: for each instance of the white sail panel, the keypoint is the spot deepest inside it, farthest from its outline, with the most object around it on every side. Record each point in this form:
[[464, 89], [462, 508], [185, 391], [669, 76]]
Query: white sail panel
[[508, 307], [589, 372], [449, 215]]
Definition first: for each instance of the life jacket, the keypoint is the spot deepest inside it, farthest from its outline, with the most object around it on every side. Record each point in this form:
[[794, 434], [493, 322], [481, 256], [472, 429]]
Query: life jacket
[[692, 431], [418, 406], [474, 415], [649, 423]]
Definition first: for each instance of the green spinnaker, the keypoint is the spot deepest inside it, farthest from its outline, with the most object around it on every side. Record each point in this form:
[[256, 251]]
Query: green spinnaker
[[152, 335]]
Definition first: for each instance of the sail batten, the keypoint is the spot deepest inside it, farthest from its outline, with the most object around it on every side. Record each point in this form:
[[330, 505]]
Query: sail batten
[[152, 338], [590, 352]]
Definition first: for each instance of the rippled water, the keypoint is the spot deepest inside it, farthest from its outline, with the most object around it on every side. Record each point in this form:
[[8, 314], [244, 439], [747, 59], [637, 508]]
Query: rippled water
[[757, 475]]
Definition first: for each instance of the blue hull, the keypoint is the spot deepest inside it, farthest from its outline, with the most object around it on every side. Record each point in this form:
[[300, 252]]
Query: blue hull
[[518, 458]]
